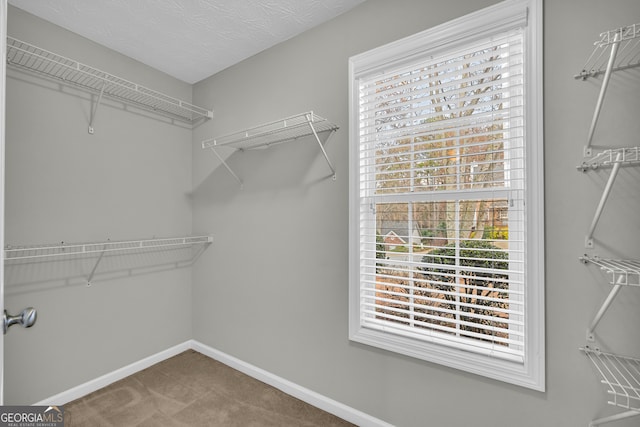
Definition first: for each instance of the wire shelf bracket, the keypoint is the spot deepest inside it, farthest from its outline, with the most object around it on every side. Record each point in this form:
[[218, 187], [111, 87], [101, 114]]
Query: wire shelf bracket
[[13, 254], [621, 375], [27, 57], [276, 132], [623, 45]]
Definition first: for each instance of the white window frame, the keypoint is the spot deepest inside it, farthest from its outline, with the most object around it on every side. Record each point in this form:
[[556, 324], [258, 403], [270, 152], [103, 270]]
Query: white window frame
[[501, 17]]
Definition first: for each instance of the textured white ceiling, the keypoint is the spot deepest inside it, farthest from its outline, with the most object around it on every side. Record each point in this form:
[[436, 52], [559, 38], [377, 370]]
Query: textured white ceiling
[[188, 39]]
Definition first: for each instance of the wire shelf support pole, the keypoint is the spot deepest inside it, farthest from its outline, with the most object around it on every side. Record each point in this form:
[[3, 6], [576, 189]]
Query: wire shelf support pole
[[603, 309], [95, 267], [603, 91], [224, 163], [603, 200], [324, 152], [94, 110]]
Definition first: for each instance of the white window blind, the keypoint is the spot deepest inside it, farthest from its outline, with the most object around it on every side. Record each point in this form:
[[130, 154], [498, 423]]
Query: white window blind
[[446, 229], [442, 194]]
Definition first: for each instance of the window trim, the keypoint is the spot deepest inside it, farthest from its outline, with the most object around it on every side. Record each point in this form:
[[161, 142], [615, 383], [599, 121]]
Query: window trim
[[495, 19]]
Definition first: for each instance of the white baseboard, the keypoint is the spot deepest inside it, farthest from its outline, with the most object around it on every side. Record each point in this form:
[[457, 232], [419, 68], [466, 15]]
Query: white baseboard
[[311, 397], [106, 379]]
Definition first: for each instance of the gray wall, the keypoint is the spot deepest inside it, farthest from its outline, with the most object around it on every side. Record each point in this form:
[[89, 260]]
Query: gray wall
[[130, 180], [273, 288]]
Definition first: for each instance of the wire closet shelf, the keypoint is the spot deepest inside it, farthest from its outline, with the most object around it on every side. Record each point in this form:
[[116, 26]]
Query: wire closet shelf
[[624, 40], [626, 156], [275, 132], [621, 375], [27, 57], [614, 158], [263, 136], [624, 272], [13, 253], [616, 50]]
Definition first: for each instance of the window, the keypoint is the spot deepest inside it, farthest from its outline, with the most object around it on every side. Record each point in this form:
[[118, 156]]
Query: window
[[446, 212]]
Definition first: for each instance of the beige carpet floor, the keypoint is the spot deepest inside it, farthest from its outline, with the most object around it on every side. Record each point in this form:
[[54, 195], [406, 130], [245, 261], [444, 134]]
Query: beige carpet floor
[[192, 389]]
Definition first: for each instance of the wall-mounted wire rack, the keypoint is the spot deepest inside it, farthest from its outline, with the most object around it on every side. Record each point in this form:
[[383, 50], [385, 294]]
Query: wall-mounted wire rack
[[616, 50], [621, 272], [16, 254], [33, 59], [621, 375], [624, 272], [614, 158], [609, 158], [272, 133], [626, 40]]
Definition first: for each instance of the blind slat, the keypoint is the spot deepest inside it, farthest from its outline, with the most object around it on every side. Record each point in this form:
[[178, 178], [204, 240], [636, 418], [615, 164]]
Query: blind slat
[[469, 87], [477, 59], [379, 302]]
